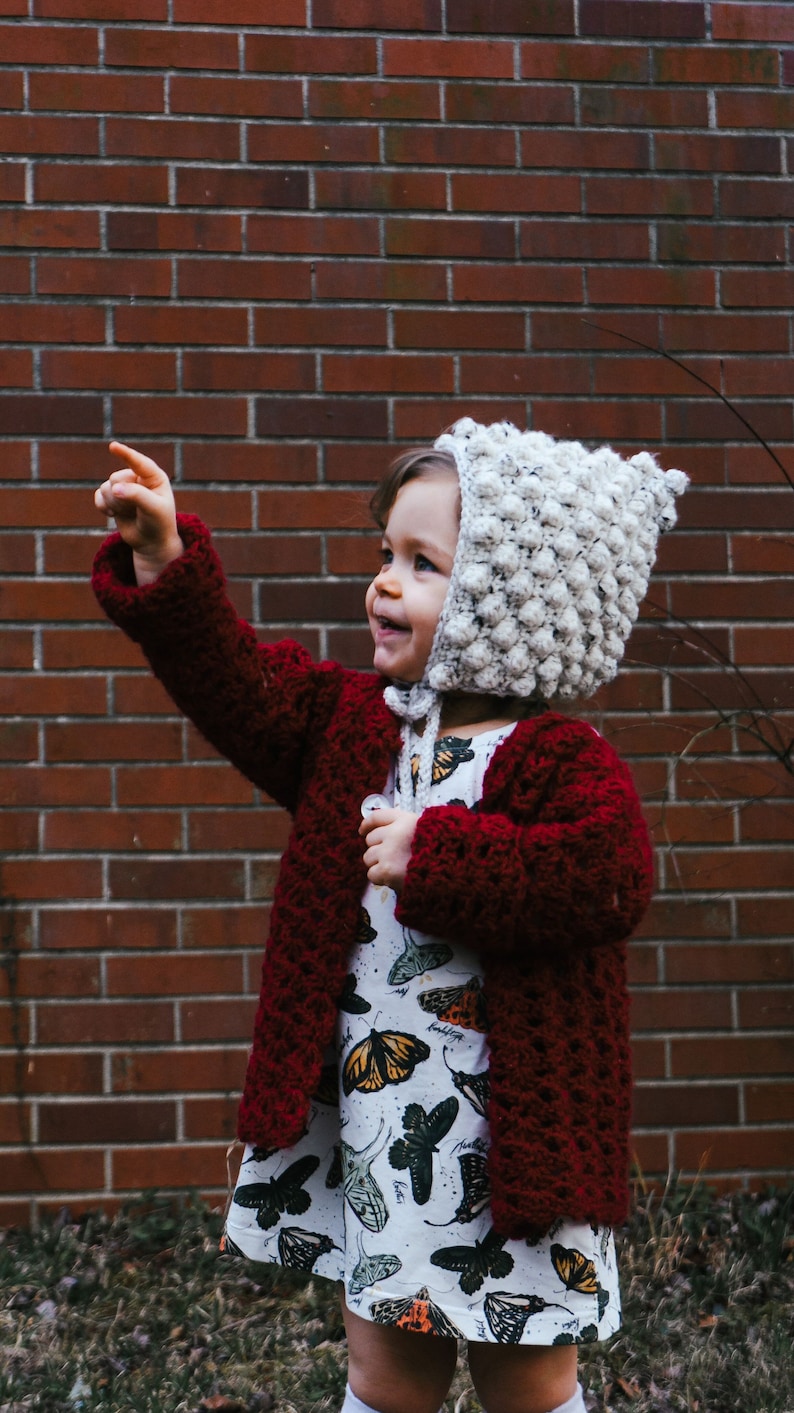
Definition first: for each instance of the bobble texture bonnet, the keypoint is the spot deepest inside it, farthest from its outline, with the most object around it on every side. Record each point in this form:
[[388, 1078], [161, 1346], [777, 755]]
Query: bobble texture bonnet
[[554, 554]]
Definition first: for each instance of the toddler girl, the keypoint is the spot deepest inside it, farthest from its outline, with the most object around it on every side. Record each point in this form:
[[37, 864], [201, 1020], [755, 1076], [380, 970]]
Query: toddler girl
[[436, 1108]]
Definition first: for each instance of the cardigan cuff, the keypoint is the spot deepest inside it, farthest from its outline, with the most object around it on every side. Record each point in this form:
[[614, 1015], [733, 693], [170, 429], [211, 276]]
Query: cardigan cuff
[[134, 607]]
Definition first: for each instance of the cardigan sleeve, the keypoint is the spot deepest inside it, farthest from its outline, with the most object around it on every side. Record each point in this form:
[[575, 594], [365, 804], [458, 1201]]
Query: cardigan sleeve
[[259, 705], [557, 856]]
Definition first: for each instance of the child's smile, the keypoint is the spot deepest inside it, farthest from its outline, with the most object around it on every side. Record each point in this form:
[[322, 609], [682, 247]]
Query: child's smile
[[406, 596]]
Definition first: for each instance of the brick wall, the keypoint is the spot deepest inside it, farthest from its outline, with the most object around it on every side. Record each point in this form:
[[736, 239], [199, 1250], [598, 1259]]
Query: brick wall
[[261, 251]]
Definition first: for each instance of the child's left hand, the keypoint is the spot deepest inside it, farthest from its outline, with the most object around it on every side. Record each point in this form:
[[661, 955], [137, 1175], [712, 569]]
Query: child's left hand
[[389, 834]]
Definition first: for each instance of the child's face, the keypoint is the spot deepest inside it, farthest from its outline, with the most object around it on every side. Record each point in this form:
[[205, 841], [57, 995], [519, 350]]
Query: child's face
[[405, 598]]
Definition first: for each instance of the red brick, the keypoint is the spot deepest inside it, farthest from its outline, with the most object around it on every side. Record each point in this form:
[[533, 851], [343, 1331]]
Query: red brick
[[175, 878], [644, 107], [772, 289], [141, 1072], [52, 878], [12, 91], [217, 1019], [450, 147], [710, 64], [45, 786], [515, 191], [458, 328], [720, 244], [714, 152], [623, 151], [141, 185], [764, 645], [244, 829], [105, 10], [184, 1166], [87, 647], [241, 371], [227, 927], [642, 376], [170, 49], [609, 63], [104, 276], [182, 785], [55, 1074], [718, 332], [52, 323], [138, 416], [511, 17], [373, 99], [107, 928], [106, 1022], [765, 1009], [747, 21], [172, 138], [769, 1103], [16, 369], [376, 14], [517, 284], [584, 240], [12, 181], [14, 274], [320, 417], [37, 135], [316, 509], [420, 420], [734, 1148], [241, 12], [19, 833], [677, 1009], [675, 19], [380, 190], [111, 740], [174, 975], [97, 93], [321, 235], [764, 200], [385, 372], [48, 44], [210, 186], [312, 327], [744, 109], [562, 330], [448, 58], [644, 285], [244, 279], [311, 54], [37, 1171], [637, 196], [187, 324], [313, 142], [678, 1105], [498, 103], [55, 976], [16, 651], [610, 421], [531, 374], [144, 230], [46, 229], [118, 832], [249, 462], [236, 97], [107, 1122], [42, 415], [109, 369], [389, 281]]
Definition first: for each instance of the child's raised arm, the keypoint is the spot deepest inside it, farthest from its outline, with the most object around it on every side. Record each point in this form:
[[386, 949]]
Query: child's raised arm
[[140, 499]]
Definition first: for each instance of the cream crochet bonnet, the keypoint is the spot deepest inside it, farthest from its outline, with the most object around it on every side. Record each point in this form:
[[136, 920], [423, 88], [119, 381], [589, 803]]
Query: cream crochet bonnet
[[554, 554]]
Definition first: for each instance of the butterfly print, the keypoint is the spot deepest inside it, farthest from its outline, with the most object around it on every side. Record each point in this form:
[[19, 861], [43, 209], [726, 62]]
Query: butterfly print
[[385, 1057], [300, 1249], [476, 1187], [474, 1087], [360, 1187], [484, 1258], [587, 1335], [578, 1273], [507, 1314], [458, 1005], [351, 1001], [335, 1173], [537, 1234], [449, 753], [417, 959], [227, 1247], [279, 1194], [418, 1314], [365, 932], [415, 1152], [369, 1269]]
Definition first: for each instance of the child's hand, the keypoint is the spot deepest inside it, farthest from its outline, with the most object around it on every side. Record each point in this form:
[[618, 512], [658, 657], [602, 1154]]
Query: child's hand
[[140, 499], [389, 834]]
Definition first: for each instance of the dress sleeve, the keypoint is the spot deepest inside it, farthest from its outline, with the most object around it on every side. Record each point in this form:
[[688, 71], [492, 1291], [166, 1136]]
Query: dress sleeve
[[558, 855], [257, 704]]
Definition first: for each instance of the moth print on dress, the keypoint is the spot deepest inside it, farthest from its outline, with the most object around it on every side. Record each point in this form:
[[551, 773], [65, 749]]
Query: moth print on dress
[[578, 1273], [476, 1187], [299, 1249], [588, 1335], [351, 1000], [474, 1087], [449, 753], [537, 1234], [507, 1314], [360, 1187], [227, 1247], [369, 1269], [423, 1132], [365, 932], [280, 1194], [484, 1258], [335, 1173], [416, 1313], [385, 1057], [463, 1006], [418, 958]]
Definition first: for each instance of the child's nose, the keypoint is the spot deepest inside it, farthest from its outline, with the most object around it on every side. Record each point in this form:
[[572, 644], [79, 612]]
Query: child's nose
[[386, 580]]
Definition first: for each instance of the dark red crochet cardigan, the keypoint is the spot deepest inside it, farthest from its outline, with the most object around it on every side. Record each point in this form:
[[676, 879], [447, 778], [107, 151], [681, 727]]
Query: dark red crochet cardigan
[[546, 880]]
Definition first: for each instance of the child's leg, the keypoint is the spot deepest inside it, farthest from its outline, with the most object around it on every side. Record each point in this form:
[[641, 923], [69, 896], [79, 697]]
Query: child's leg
[[523, 1378], [396, 1371]]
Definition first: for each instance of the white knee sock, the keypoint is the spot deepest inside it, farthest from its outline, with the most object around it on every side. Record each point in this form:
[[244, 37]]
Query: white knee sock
[[354, 1405]]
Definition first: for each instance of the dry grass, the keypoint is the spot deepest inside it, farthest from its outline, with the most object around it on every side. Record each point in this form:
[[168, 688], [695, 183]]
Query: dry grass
[[139, 1313]]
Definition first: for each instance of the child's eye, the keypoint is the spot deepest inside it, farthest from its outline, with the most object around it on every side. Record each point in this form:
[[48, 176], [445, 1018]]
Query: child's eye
[[423, 563], [385, 555]]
